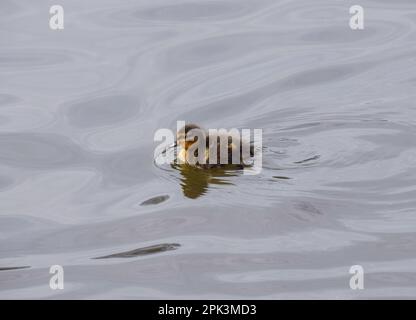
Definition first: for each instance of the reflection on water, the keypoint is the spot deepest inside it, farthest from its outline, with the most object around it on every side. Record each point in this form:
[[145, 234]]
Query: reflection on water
[[155, 200], [78, 113], [13, 268], [282, 177], [307, 160], [195, 181]]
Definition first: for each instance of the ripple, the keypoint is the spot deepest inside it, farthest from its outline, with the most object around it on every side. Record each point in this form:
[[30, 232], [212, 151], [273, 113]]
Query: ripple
[[101, 111], [39, 151], [18, 118], [301, 241], [186, 11], [9, 8], [5, 182], [178, 14], [398, 2], [389, 268], [13, 268], [78, 109], [218, 50], [6, 99], [337, 34], [282, 177], [308, 159], [324, 74], [26, 59]]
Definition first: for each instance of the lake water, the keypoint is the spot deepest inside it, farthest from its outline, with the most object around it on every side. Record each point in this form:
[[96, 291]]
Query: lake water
[[79, 108]]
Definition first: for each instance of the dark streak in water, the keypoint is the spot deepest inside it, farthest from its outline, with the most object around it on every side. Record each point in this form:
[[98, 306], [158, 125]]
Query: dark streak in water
[[155, 200], [13, 268], [143, 251], [281, 177], [309, 159]]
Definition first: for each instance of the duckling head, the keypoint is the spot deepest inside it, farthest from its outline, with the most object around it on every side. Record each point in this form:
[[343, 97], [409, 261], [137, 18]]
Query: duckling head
[[188, 140]]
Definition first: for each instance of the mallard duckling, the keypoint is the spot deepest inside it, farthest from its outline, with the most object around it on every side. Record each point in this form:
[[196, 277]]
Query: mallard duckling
[[196, 182], [187, 141]]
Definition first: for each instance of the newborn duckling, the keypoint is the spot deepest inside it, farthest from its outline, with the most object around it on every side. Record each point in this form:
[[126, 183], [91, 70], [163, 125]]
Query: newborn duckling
[[187, 140]]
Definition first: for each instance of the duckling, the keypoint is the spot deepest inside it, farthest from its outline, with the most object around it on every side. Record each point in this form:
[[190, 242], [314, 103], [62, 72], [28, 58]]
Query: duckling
[[187, 140]]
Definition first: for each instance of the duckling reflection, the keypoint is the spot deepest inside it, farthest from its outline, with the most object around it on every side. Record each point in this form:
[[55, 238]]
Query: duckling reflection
[[197, 177], [191, 137], [195, 181]]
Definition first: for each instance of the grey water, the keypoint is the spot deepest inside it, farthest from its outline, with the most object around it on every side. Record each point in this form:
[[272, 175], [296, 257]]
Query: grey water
[[79, 108]]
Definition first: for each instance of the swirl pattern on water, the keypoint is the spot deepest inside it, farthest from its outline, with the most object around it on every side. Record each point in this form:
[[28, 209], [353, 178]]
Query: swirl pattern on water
[[79, 108]]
